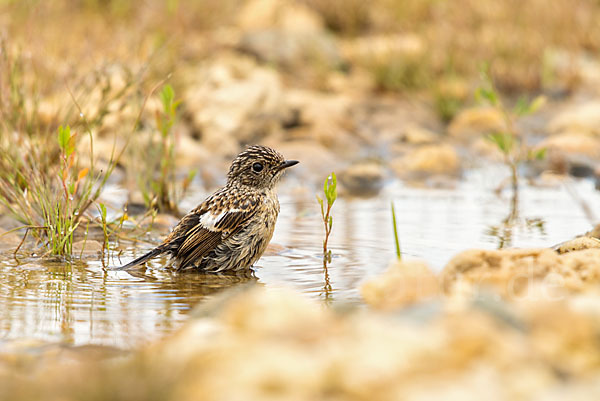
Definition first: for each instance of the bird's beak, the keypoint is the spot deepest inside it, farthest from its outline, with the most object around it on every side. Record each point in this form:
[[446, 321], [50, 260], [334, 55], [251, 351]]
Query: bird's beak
[[288, 163]]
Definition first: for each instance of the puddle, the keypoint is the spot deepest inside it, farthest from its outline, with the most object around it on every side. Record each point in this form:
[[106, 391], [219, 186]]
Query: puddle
[[81, 303]]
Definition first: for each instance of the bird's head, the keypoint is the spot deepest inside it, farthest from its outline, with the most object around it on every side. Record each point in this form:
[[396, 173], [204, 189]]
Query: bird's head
[[258, 167]]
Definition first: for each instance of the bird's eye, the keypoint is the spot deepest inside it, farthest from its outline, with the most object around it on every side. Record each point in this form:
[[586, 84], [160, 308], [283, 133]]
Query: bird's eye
[[257, 167]]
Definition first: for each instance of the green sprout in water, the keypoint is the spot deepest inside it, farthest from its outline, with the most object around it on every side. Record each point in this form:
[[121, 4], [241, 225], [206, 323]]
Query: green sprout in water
[[330, 190], [105, 243], [397, 241], [508, 141]]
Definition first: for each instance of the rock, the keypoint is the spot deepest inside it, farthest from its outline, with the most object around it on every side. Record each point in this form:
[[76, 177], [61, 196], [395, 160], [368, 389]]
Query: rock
[[594, 232], [428, 160], [471, 123], [497, 268], [234, 102], [362, 179], [87, 247], [585, 264], [404, 283], [578, 244], [513, 272], [582, 118]]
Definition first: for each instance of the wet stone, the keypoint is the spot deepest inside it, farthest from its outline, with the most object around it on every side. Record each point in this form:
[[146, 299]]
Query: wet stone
[[362, 179]]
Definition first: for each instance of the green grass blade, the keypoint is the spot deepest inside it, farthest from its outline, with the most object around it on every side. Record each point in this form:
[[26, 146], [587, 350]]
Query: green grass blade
[[397, 240]]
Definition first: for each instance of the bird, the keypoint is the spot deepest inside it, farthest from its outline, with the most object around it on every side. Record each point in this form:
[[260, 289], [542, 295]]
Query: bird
[[230, 230]]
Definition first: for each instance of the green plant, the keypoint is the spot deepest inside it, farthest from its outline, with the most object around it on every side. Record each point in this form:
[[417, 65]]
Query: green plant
[[513, 149], [508, 141], [50, 199], [330, 190], [161, 191], [105, 243], [396, 239]]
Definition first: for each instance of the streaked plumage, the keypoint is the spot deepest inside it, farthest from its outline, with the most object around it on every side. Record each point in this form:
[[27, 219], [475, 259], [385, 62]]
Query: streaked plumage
[[230, 230]]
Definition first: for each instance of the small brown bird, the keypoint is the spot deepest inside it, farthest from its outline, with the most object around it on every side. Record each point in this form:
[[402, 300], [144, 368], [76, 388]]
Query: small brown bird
[[230, 230]]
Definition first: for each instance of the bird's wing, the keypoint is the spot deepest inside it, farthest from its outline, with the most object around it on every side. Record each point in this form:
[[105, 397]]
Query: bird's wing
[[206, 228]]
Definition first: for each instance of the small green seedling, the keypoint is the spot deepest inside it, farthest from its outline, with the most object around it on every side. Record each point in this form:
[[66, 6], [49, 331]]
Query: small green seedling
[[105, 243], [508, 140], [330, 190], [397, 240]]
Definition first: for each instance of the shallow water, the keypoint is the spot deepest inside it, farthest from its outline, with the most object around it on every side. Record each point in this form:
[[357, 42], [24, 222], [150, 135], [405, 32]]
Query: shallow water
[[82, 302]]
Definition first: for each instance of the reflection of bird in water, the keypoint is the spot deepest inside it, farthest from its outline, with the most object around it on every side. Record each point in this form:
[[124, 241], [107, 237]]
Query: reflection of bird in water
[[194, 285], [230, 230]]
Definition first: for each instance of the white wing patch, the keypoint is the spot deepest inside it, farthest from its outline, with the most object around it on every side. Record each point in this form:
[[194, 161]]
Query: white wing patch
[[209, 220]]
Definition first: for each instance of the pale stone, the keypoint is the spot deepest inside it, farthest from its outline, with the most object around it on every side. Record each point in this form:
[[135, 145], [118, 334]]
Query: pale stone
[[513, 272], [578, 244], [362, 178]]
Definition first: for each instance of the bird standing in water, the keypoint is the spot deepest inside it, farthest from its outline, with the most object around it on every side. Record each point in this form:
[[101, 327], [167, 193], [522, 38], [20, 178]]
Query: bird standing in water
[[230, 230]]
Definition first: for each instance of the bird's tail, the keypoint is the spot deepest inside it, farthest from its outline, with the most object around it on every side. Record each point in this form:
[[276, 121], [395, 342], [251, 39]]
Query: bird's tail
[[155, 252]]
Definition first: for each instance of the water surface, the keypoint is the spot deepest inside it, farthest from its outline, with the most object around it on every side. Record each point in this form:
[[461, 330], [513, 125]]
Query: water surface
[[82, 302]]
